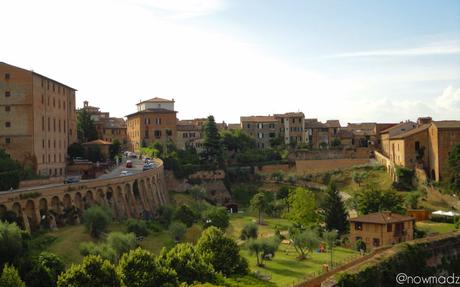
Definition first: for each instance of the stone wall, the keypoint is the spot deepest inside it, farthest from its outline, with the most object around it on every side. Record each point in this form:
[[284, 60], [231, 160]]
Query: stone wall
[[318, 166], [130, 196], [38, 182], [331, 154]]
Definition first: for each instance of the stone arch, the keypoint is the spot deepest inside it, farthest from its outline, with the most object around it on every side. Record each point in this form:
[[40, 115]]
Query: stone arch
[[100, 197], [156, 194], [3, 211], [147, 194], [67, 201], [55, 205], [120, 203], [43, 206], [88, 199], [137, 192], [30, 213], [78, 201], [129, 197]]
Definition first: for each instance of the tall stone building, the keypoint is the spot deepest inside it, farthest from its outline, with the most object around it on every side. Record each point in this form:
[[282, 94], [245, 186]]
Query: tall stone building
[[154, 121], [37, 119], [263, 129], [292, 127]]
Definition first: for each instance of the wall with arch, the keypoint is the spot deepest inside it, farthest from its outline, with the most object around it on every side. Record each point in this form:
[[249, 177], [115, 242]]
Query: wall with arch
[[134, 196]]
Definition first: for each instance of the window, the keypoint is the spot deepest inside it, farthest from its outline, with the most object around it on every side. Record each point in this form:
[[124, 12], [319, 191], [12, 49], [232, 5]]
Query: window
[[7, 124], [7, 108], [49, 143], [54, 102], [389, 227], [260, 125], [169, 133], [271, 135], [54, 125], [7, 140], [260, 135], [376, 242], [158, 134], [43, 143], [7, 94], [7, 76], [43, 99], [146, 134], [358, 226], [248, 126]]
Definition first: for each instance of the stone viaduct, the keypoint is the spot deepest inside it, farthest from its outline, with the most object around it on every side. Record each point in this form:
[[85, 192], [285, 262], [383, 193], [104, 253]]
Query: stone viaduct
[[133, 196]]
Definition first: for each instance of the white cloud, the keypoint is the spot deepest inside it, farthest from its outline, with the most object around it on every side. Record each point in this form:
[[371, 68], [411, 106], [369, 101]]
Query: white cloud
[[427, 50], [449, 100]]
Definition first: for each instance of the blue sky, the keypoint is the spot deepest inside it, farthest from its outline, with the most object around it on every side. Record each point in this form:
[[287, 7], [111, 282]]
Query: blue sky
[[349, 60]]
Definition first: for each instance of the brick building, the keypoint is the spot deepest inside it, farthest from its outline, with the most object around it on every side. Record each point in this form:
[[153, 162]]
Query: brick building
[[154, 121], [292, 127], [37, 119], [381, 228], [321, 135], [108, 128], [263, 129]]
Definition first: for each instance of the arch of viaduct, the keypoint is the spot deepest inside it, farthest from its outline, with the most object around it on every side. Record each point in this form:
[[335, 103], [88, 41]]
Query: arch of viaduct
[[133, 196]]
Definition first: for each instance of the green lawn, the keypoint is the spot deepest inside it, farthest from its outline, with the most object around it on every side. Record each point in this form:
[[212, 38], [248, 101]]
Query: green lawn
[[435, 227]]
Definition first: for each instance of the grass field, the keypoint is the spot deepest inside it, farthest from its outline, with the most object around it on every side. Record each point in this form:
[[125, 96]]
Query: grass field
[[435, 227]]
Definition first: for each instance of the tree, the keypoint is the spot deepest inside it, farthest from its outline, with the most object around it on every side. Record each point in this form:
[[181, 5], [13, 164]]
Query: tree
[[189, 265], [249, 231], [358, 177], [121, 242], [371, 199], [216, 216], [10, 277], [136, 226], [9, 171], [222, 252], [44, 271], [102, 250], [330, 237], [263, 248], [164, 215], [86, 130], [302, 206], [197, 192], [335, 213], [177, 230], [454, 169], [304, 241], [12, 243], [93, 271], [212, 152], [259, 203], [96, 219], [76, 150], [186, 215], [237, 141], [411, 200], [140, 268], [115, 148]]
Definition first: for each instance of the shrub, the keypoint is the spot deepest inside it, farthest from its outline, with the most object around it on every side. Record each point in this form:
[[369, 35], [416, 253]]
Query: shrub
[[216, 216], [10, 277], [12, 243], [186, 215], [177, 230], [164, 215], [96, 219], [121, 243], [249, 231], [102, 250], [138, 227]]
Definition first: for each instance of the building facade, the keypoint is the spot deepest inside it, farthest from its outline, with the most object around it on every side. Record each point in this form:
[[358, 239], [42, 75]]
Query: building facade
[[394, 131], [154, 121], [292, 127], [321, 135], [37, 119], [263, 129], [381, 228]]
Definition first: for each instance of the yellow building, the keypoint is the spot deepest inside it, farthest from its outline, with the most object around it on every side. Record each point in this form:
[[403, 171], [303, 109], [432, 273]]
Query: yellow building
[[37, 119], [154, 121], [381, 228]]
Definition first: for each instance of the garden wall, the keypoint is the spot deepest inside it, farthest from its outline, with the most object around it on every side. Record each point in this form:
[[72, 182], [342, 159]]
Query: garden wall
[[317, 166]]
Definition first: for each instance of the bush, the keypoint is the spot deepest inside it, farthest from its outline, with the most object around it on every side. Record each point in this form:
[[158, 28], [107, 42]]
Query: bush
[[164, 215], [177, 231], [10, 277], [404, 176], [121, 243], [12, 243], [96, 219], [222, 252], [216, 216], [186, 215], [139, 268], [44, 270], [102, 250], [138, 227], [249, 231]]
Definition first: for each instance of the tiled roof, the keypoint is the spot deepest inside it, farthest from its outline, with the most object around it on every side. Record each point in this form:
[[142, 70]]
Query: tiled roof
[[234, 126], [158, 100], [412, 132], [333, 123], [258, 119], [447, 124], [158, 111], [113, 122], [290, 115], [382, 218], [313, 123], [97, 142]]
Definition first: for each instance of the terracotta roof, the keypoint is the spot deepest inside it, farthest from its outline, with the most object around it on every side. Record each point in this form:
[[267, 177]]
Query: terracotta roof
[[158, 111], [361, 126], [313, 123], [97, 142], [333, 123], [234, 126], [258, 119], [290, 115], [158, 100], [412, 132], [382, 218], [447, 124]]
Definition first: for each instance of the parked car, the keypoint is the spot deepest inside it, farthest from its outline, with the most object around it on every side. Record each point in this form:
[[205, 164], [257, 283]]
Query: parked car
[[71, 179], [125, 173], [129, 164]]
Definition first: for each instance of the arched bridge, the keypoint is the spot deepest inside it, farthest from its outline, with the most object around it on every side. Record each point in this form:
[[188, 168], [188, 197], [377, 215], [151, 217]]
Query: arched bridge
[[133, 196]]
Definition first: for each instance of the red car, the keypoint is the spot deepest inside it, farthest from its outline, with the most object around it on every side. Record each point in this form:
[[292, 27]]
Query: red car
[[129, 164]]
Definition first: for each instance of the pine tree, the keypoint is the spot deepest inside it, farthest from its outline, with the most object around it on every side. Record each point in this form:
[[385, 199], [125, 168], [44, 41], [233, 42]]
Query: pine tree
[[335, 211], [212, 152]]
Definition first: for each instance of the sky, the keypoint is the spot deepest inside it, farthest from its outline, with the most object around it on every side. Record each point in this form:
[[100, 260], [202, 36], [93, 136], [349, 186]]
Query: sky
[[354, 60]]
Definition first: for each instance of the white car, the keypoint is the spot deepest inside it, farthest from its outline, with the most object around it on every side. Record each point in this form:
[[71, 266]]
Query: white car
[[125, 173]]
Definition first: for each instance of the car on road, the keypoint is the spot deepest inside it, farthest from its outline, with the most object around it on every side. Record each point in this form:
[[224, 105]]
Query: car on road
[[147, 160], [129, 164], [71, 179], [125, 173], [148, 166]]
